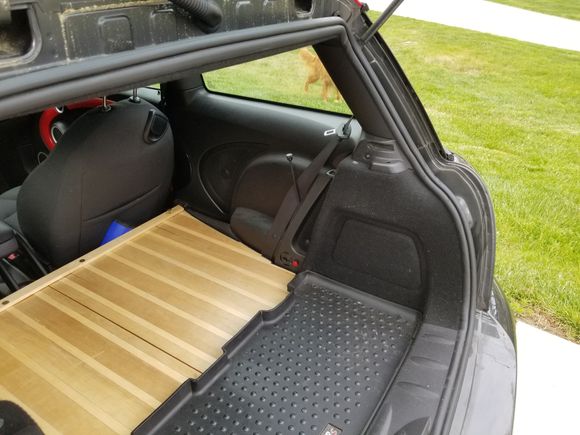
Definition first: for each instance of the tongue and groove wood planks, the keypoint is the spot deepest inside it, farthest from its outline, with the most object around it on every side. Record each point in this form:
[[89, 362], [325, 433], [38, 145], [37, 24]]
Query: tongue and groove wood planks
[[97, 345]]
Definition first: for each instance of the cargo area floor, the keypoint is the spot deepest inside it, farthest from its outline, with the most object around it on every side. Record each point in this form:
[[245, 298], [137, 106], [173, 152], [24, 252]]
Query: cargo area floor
[[96, 346], [321, 361]]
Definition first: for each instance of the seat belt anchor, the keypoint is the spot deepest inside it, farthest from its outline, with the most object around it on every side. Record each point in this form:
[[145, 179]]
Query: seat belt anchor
[[290, 158]]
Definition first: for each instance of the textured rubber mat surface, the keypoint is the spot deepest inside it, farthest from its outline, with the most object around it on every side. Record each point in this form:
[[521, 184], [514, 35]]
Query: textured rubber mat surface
[[324, 365]]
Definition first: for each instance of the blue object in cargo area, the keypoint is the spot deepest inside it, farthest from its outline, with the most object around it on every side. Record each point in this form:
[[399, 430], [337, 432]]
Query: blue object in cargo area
[[115, 230]]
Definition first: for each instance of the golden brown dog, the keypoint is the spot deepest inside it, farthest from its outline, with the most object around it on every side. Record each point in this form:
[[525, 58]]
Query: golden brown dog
[[317, 72]]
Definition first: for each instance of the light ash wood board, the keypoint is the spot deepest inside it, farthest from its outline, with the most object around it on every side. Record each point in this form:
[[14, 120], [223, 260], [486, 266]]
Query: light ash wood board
[[97, 345]]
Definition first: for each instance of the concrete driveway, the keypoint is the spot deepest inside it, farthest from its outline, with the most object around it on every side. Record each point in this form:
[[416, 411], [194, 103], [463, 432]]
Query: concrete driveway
[[548, 383], [494, 18]]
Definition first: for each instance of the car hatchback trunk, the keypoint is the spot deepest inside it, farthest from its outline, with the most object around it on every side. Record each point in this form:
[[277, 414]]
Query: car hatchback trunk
[[303, 255], [179, 326]]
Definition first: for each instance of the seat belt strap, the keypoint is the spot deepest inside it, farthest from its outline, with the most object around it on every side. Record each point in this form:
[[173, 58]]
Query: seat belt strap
[[285, 254], [291, 201]]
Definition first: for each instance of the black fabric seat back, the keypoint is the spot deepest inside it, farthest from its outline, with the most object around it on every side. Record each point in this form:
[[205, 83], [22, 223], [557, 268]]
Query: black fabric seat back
[[109, 165]]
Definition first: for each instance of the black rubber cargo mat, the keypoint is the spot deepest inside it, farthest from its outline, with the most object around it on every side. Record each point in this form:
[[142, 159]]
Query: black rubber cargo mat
[[323, 362]]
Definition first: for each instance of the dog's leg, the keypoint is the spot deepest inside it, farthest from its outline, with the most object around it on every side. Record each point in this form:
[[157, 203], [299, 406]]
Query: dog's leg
[[311, 79], [337, 96], [325, 90]]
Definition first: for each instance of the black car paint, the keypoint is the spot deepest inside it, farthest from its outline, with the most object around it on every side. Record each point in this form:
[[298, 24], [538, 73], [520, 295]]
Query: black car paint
[[488, 391]]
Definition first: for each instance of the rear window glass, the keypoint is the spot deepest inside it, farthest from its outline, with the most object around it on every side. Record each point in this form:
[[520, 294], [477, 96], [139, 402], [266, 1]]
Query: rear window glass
[[297, 78]]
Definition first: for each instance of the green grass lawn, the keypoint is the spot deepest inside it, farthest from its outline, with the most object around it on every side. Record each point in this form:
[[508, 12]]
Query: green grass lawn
[[561, 8], [512, 109]]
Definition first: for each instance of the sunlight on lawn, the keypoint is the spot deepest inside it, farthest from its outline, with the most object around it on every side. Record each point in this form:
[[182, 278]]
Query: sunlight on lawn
[[560, 8]]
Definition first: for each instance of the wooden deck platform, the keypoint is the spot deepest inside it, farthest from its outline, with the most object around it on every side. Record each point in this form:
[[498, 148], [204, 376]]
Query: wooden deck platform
[[97, 345]]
